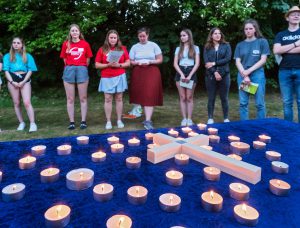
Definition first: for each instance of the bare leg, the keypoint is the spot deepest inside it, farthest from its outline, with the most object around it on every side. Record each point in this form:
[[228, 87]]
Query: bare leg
[[119, 104], [148, 112], [190, 101], [82, 92], [15, 94], [70, 93], [26, 96], [182, 100], [108, 105]]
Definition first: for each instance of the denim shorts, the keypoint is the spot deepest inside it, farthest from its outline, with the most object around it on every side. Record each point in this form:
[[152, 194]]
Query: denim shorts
[[75, 74], [186, 70]]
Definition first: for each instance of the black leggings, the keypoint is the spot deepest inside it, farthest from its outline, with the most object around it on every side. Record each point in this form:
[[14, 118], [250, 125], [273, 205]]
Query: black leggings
[[212, 85]]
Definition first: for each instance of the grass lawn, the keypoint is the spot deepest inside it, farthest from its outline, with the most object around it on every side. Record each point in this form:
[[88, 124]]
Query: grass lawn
[[52, 120]]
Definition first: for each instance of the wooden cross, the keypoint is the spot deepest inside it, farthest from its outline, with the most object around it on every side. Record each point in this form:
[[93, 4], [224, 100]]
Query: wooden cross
[[169, 146]]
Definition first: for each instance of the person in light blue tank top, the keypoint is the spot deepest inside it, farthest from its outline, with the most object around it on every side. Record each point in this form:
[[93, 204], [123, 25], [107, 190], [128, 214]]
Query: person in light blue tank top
[[186, 63], [18, 67]]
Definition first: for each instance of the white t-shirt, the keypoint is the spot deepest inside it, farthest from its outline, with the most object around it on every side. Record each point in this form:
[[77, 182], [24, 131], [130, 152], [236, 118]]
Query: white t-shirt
[[144, 52], [185, 60]]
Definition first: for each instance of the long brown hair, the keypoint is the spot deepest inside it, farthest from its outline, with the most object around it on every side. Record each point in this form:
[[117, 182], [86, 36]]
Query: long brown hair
[[258, 33], [69, 37], [210, 43], [106, 45], [191, 51], [12, 51]]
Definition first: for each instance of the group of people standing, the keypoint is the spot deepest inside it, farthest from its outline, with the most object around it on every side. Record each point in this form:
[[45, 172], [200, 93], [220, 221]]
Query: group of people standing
[[145, 82]]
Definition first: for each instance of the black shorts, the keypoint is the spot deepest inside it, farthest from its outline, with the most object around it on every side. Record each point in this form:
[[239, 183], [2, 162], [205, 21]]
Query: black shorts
[[186, 70], [18, 77]]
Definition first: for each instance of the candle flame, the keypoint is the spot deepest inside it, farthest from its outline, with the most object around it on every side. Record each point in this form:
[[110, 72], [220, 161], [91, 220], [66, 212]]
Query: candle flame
[[171, 199], [278, 182], [137, 190], [102, 187], [238, 144], [58, 210], [210, 169], [81, 175], [14, 187], [50, 170], [244, 208], [181, 156], [121, 220], [27, 158], [211, 194], [172, 173], [239, 187], [133, 159]]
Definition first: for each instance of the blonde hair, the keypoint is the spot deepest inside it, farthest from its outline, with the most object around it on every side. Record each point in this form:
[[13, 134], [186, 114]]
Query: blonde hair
[[106, 45], [69, 37], [12, 51]]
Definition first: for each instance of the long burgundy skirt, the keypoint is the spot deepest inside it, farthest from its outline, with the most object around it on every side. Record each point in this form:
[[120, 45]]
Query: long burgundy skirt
[[146, 86]]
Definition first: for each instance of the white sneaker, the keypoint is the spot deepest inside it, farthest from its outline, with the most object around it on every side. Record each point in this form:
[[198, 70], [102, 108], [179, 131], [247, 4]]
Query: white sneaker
[[21, 126], [108, 125], [189, 122], [120, 124], [210, 121], [33, 127], [226, 120], [184, 122]]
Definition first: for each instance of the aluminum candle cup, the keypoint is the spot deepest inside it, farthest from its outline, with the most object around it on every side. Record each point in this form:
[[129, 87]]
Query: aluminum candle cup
[[280, 167], [212, 131], [214, 139], [98, 156], [246, 215], [149, 136], [273, 156], [38, 150], [212, 201], [174, 178], [13, 192], [117, 148], [49, 175], [27, 162], [64, 150], [119, 221], [113, 140], [103, 192], [181, 159], [233, 138], [169, 202], [279, 187], [133, 162], [259, 145], [82, 140], [201, 126], [57, 216], [239, 148], [80, 179], [211, 173], [239, 191], [137, 195], [186, 130], [134, 142], [173, 133], [264, 138], [234, 156]]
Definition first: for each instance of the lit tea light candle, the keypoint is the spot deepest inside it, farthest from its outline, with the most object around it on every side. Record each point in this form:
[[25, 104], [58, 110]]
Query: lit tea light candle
[[149, 136], [151, 145], [119, 221], [280, 167], [82, 140], [173, 133], [234, 156], [27, 162], [233, 138], [113, 140], [64, 150], [57, 216], [239, 191], [239, 148], [13, 192], [80, 179], [169, 202], [259, 145], [174, 178], [264, 138], [201, 126], [99, 156], [273, 156], [103, 192], [212, 201], [212, 173], [38, 150], [137, 195], [207, 147], [133, 162], [279, 187], [186, 130], [212, 131], [1, 175], [181, 159], [117, 148], [246, 215], [49, 175], [214, 138], [179, 138], [134, 142], [192, 134]]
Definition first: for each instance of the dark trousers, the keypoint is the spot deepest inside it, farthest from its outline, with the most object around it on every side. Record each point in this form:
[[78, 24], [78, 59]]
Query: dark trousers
[[212, 86]]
